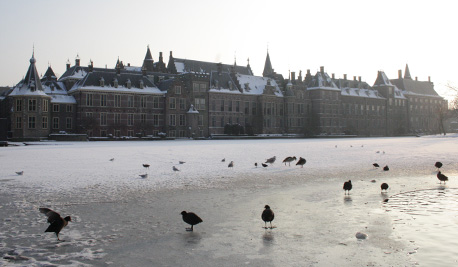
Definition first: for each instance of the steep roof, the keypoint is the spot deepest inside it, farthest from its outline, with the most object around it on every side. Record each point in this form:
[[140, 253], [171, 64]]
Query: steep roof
[[407, 73], [31, 84], [187, 65], [268, 70], [415, 87], [382, 79], [256, 85], [322, 81]]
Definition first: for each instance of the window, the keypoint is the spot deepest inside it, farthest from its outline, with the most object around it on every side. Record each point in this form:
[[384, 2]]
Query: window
[[172, 119], [45, 105], [103, 100], [130, 101], [213, 121], [156, 119], [237, 106], [68, 123], [182, 103], [117, 101], [182, 120], [201, 120], [155, 102], [203, 87], [172, 103], [199, 103], [143, 101], [253, 108], [103, 119], [69, 108], [18, 122], [172, 133], [247, 107], [18, 104], [89, 114], [143, 118], [55, 107], [32, 122], [130, 133], [89, 99], [177, 89], [55, 123], [222, 104], [44, 123], [195, 87], [130, 119], [103, 133], [229, 105], [117, 118], [222, 121], [182, 133], [32, 105]]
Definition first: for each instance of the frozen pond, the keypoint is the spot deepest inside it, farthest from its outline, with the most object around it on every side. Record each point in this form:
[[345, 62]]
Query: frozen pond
[[121, 219]]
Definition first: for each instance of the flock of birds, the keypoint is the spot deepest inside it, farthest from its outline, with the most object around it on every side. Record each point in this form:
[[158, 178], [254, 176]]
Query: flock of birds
[[57, 223]]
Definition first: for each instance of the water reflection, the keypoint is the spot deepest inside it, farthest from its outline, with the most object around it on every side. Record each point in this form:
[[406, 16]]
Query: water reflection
[[347, 199], [192, 238], [268, 238]]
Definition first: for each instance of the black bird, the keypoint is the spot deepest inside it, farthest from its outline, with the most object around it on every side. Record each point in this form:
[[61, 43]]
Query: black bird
[[384, 186], [223, 160], [264, 165], [20, 173], [57, 222], [256, 164], [375, 165], [438, 164], [231, 164], [267, 216], [146, 166], [289, 160], [191, 218], [347, 186], [441, 177], [301, 162], [386, 168], [271, 160]]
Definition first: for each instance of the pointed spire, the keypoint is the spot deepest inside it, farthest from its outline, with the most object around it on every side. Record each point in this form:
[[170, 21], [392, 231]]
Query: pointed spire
[[148, 62], [407, 73], [32, 79], [267, 66]]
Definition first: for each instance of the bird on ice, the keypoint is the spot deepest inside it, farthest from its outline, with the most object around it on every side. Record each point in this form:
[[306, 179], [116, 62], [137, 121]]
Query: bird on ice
[[231, 164], [112, 159], [289, 160], [438, 164], [223, 160], [301, 162], [146, 166], [20, 173], [441, 177], [57, 223], [347, 186], [175, 169], [386, 168], [190, 218], [181, 162], [384, 186], [271, 160], [267, 216], [256, 164], [264, 165], [375, 165], [144, 176]]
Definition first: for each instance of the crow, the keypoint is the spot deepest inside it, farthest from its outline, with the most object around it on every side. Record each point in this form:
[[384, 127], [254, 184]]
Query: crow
[[57, 222], [386, 168], [267, 216], [384, 186], [347, 186], [191, 218]]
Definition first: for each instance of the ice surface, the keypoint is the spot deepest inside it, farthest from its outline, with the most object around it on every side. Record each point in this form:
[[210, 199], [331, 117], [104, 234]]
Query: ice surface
[[120, 219]]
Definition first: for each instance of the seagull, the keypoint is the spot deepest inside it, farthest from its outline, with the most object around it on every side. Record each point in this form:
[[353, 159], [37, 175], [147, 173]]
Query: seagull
[[223, 160], [347, 186], [377, 152], [264, 165], [111, 159], [271, 160], [375, 165], [20, 173], [256, 164], [231, 164], [438, 164], [289, 160], [175, 169], [384, 186], [144, 175], [56, 222], [386, 168], [301, 162], [191, 218], [181, 162], [267, 216], [146, 166], [441, 177]]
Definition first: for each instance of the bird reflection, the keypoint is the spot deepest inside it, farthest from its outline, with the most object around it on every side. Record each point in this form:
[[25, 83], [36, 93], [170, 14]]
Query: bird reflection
[[268, 238], [347, 199]]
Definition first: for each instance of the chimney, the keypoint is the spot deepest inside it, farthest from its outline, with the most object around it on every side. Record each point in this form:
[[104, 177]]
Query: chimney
[[399, 74], [322, 69], [160, 57], [308, 73], [416, 78], [91, 66], [118, 69], [128, 64], [293, 76], [359, 78], [429, 78], [219, 67], [333, 76], [300, 76], [77, 61], [171, 54], [345, 76], [68, 64], [354, 78]]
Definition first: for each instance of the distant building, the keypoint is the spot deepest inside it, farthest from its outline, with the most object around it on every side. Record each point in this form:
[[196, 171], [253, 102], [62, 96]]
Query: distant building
[[190, 98]]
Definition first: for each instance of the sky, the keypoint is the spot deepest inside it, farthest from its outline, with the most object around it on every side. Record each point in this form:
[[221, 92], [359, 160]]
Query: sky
[[357, 38]]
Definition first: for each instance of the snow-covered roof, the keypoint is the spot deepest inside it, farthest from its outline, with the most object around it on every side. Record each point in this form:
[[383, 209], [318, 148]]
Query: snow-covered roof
[[23, 89], [382, 79], [63, 99], [322, 81], [368, 93], [255, 85]]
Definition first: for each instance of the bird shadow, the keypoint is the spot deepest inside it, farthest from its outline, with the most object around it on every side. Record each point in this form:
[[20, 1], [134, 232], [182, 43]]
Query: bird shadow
[[268, 238], [347, 199], [192, 238]]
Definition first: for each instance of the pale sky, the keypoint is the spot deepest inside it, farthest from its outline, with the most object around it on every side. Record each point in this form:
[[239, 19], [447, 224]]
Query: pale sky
[[351, 37]]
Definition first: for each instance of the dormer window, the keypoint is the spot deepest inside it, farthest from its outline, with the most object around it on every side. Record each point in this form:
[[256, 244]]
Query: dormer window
[[142, 85], [115, 83], [128, 84], [102, 82]]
